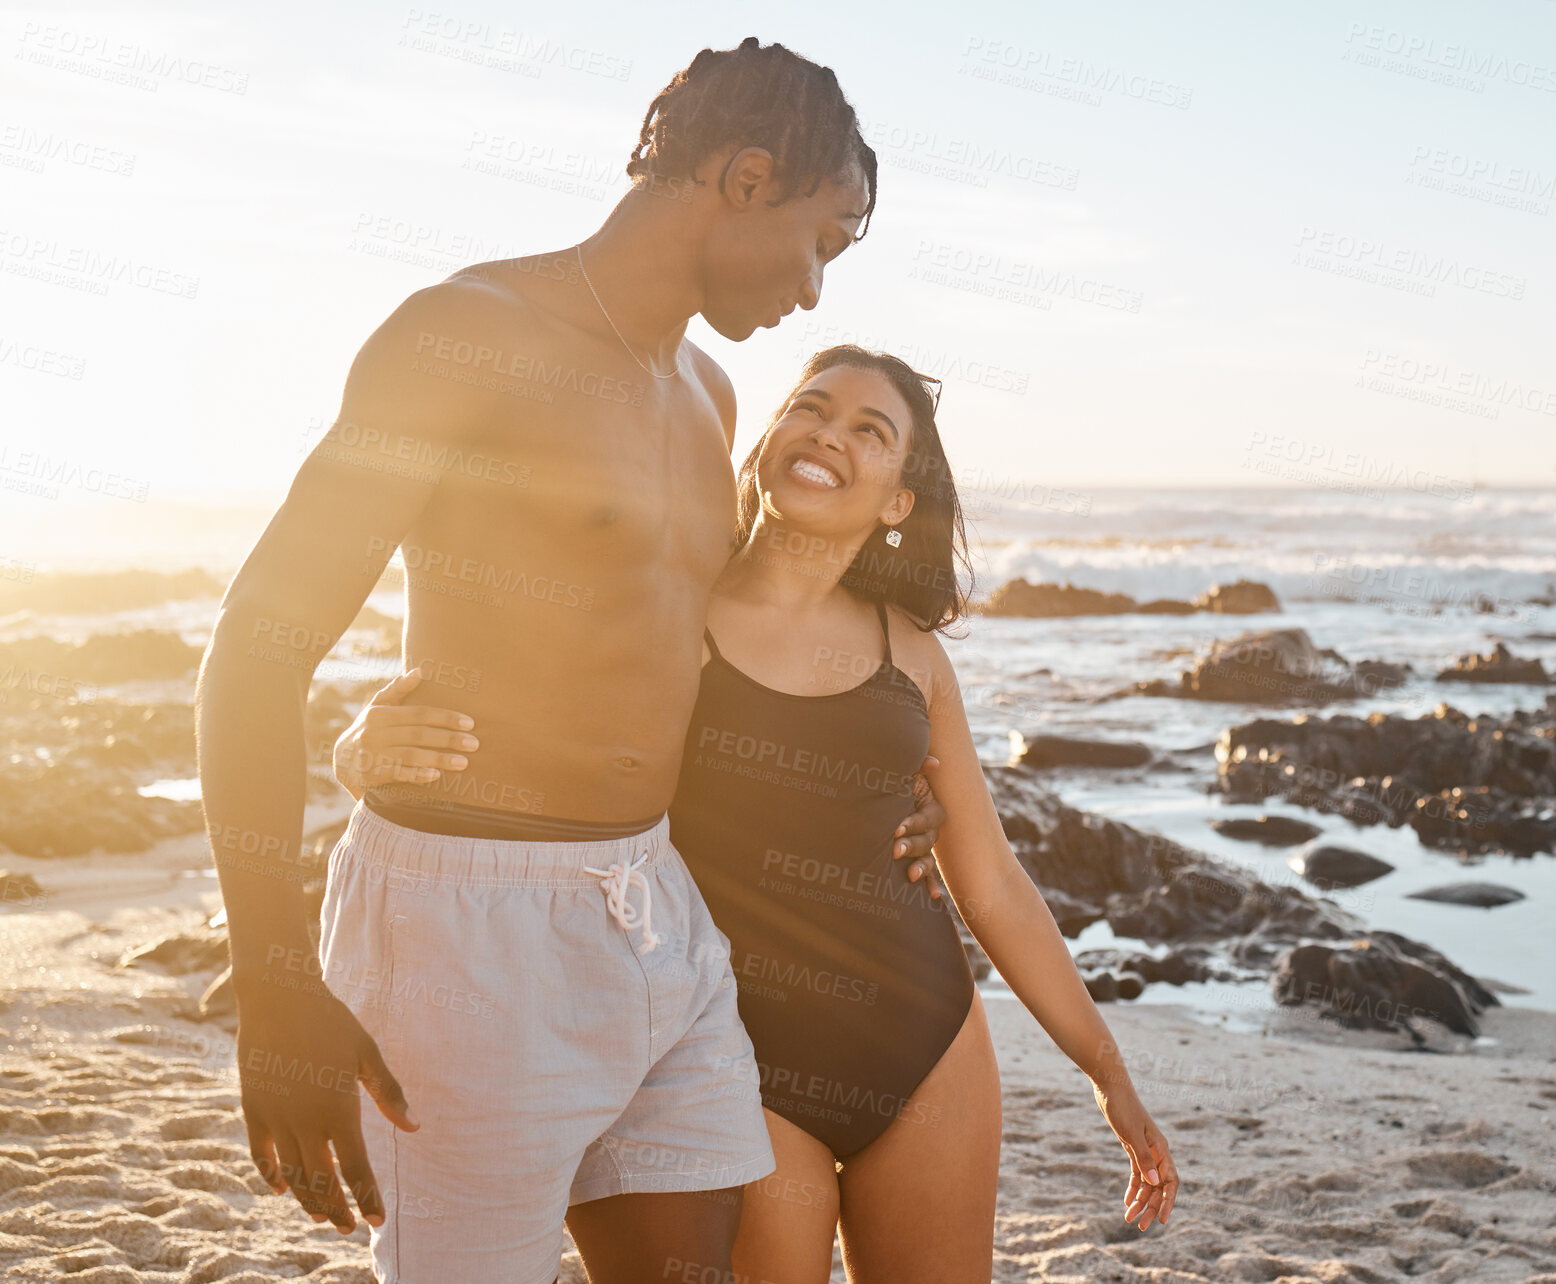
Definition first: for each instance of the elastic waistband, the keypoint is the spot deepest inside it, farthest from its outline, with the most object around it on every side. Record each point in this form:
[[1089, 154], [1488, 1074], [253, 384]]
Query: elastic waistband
[[497, 862], [464, 821]]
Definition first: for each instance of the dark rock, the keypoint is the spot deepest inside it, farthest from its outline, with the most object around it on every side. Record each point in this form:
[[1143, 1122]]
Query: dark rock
[[1245, 597], [1382, 981], [70, 810], [1051, 601], [1498, 665], [1130, 986], [1072, 915], [181, 953], [1057, 751], [1147, 886], [73, 768], [1272, 831], [1482, 895], [1102, 986], [1465, 784], [102, 658], [1281, 666], [1058, 601], [1326, 865], [101, 593], [1155, 890], [1176, 967], [976, 958], [1105, 987]]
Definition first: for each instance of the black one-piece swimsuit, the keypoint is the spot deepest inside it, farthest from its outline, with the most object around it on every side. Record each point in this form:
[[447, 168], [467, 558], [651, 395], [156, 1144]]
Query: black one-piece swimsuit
[[852, 981]]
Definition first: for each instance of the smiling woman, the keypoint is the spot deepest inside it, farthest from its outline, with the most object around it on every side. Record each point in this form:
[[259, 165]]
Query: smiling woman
[[919, 571]]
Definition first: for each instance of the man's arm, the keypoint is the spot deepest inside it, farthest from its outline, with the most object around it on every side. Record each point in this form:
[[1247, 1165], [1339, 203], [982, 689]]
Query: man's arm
[[294, 596]]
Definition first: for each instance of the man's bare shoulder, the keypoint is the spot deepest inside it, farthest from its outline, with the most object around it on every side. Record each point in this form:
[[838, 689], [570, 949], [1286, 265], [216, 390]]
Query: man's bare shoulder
[[470, 303], [411, 365], [717, 385], [539, 286]]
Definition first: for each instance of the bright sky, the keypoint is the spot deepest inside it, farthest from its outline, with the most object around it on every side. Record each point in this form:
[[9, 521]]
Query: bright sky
[[1144, 244]]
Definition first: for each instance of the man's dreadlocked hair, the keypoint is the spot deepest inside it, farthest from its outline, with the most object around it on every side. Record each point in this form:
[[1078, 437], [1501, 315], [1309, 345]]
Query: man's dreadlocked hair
[[755, 96]]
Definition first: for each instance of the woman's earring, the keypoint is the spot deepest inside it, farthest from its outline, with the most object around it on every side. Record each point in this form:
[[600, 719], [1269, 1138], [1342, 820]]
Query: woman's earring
[[893, 536]]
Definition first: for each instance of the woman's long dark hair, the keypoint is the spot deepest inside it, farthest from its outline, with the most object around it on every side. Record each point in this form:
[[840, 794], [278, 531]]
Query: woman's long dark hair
[[921, 575]]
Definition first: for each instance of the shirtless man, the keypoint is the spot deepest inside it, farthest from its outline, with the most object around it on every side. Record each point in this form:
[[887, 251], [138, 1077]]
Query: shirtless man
[[515, 952]]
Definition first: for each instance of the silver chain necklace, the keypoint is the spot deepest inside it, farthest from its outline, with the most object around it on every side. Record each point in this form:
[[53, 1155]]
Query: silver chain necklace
[[612, 324]]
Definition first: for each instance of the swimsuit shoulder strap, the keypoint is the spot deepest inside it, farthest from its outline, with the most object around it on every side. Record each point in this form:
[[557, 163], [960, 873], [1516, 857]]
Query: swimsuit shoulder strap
[[880, 610], [713, 646]]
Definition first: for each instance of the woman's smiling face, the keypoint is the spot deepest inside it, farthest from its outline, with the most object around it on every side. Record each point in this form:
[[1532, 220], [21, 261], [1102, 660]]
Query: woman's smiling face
[[833, 461]]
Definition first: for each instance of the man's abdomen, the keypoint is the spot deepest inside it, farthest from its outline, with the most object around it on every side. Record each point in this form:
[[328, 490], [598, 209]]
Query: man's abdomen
[[584, 720]]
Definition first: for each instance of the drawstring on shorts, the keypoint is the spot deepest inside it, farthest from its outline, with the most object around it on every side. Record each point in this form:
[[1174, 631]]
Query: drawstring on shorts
[[616, 882]]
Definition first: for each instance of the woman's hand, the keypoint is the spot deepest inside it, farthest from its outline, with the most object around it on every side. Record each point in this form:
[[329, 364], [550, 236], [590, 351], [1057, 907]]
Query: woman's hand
[[393, 742], [1153, 1178]]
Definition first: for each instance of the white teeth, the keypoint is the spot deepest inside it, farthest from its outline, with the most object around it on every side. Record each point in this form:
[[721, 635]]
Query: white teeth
[[814, 472]]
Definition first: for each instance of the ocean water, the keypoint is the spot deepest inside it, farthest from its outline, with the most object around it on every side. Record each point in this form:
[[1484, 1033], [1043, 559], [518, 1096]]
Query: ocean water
[[1401, 576], [1409, 577]]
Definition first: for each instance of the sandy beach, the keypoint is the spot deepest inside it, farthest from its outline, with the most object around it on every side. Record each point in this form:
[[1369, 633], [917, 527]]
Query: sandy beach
[[1309, 1156]]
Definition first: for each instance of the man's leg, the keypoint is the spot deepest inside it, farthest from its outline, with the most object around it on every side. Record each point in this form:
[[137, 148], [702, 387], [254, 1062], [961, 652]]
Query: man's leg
[[658, 1194], [639, 1239], [513, 1012]]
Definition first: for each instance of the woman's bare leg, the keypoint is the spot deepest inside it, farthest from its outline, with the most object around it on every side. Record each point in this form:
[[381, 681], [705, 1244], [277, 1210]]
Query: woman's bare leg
[[789, 1219], [917, 1203]]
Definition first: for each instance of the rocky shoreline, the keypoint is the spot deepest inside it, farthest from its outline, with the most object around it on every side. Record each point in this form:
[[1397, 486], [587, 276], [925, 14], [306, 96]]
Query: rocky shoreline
[[1469, 784], [1018, 598], [78, 762]]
